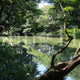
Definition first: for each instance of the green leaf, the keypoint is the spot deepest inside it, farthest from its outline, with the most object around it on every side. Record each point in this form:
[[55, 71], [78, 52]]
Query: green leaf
[[68, 8]]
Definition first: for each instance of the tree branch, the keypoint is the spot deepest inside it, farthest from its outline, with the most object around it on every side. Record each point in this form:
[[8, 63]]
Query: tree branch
[[75, 62], [58, 52], [69, 40], [76, 52], [60, 70]]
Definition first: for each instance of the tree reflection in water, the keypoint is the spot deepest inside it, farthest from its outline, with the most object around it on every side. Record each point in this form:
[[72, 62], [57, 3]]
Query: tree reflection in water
[[16, 63], [43, 58]]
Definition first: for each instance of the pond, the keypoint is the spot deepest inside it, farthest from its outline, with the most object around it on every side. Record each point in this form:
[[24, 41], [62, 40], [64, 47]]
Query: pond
[[42, 48]]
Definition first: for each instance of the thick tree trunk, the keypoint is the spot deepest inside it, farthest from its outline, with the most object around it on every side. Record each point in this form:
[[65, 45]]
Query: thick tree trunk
[[60, 70]]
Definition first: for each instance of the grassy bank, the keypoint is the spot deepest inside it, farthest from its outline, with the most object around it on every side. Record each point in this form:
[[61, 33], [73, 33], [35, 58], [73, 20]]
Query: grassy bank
[[60, 33]]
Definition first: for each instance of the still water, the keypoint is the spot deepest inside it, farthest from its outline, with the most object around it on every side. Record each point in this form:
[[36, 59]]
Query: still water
[[43, 48], [47, 50]]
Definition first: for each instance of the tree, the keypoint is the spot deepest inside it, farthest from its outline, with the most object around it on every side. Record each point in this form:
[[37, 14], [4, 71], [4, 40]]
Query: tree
[[31, 24], [47, 23], [44, 19], [71, 8], [15, 13], [16, 63], [58, 71]]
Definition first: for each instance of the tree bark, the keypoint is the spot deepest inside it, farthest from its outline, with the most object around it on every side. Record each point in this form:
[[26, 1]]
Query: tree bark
[[60, 70]]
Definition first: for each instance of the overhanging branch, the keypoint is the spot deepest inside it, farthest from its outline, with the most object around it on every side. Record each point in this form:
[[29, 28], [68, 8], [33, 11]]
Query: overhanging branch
[[69, 40], [58, 71]]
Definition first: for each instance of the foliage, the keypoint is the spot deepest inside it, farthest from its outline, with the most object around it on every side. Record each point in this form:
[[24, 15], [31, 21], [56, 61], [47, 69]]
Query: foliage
[[21, 16], [72, 10], [46, 22], [15, 13], [15, 63]]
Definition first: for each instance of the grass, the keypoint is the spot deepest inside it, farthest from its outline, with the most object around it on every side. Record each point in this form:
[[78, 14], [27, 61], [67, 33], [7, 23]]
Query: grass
[[38, 39]]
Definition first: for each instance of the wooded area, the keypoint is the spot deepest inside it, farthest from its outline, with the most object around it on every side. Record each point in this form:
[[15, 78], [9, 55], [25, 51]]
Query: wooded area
[[60, 19]]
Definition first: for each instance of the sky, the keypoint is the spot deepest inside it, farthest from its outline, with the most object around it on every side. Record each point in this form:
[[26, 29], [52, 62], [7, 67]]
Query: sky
[[42, 4]]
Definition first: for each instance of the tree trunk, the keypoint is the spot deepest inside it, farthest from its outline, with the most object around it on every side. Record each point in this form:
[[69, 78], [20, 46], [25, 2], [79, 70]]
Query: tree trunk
[[60, 70]]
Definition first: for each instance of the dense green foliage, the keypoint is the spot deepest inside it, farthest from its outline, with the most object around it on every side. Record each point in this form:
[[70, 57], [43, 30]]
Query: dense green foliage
[[52, 19], [72, 9], [25, 17], [15, 13], [16, 63]]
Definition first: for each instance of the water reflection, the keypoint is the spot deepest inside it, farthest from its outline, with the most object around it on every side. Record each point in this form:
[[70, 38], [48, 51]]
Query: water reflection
[[45, 49], [69, 78], [42, 55], [45, 52], [16, 63], [41, 68]]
